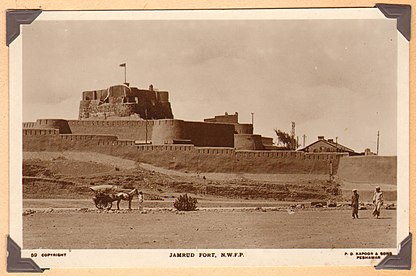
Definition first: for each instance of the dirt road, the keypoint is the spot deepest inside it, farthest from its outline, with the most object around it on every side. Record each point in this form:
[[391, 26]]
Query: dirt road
[[209, 229]]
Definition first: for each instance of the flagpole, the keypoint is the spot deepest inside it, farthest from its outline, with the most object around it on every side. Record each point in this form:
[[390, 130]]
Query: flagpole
[[125, 73]]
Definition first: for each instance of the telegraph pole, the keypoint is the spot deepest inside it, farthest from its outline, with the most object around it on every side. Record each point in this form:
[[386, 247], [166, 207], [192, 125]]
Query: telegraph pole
[[293, 130], [145, 114], [378, 140], [304, 140], [293, 133], [336, 143]]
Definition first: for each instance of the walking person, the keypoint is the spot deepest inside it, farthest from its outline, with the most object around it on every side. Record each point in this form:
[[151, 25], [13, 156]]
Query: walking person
[[377, 201], [141, 199], [354, 203]]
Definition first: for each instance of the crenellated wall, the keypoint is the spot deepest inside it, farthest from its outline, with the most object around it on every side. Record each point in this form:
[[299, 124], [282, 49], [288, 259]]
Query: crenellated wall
[[169, 131], [60, 124], [28, 124], [183, 157], [128, 129], [40, 131]]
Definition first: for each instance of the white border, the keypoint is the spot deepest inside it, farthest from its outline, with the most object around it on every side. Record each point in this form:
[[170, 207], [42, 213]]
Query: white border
[[253, 257]]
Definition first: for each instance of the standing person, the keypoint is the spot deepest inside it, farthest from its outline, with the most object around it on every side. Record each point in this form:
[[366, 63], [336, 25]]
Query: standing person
[[354, 203], [141, 199], [377, 201]]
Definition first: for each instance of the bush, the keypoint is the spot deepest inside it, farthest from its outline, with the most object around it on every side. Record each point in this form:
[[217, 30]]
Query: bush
[[185, 203]]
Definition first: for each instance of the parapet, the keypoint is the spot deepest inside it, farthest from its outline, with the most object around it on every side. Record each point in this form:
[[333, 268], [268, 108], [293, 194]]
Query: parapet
[[226, 118]]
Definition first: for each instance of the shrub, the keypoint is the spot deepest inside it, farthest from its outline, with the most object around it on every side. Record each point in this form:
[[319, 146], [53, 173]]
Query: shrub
[[185, 203]]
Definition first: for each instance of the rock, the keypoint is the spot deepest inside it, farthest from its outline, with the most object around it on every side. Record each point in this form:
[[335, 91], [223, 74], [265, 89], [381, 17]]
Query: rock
[[28, 212]]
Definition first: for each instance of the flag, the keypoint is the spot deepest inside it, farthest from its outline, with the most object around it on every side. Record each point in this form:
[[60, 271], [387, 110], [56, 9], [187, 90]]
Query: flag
[[123, 65]]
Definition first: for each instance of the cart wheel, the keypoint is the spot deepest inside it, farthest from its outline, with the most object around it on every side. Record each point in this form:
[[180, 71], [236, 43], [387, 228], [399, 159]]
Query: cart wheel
[[97, 202], [109, 204], [100, 204], [104, 204]]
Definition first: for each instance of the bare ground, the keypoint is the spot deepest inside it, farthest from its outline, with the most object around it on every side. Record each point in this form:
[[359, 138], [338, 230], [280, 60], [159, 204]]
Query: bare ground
[[70, 174], [208, 229], [236, 210]]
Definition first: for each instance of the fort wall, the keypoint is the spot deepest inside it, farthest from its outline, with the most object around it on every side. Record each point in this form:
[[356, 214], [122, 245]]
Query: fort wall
[[209, 134], [60, 124], [183, 157], [129, 129], [167, 131], [369, 169], [364, 173]]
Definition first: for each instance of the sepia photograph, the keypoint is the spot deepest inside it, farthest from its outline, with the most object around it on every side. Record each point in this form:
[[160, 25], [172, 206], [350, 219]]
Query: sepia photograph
[[210, 137]]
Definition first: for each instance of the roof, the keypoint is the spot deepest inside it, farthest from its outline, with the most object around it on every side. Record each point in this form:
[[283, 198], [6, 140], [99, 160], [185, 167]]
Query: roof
[[332, 144]]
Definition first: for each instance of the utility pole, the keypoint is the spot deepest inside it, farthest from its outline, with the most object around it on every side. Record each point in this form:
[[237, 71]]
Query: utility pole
[[336, 143], [330, 171], [293, 130], [378, 140], [145, 114], [304, 140], [292, 133]]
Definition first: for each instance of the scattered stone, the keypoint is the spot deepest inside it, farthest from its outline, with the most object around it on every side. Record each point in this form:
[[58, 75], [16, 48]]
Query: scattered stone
[[28, 212], [332, 204]]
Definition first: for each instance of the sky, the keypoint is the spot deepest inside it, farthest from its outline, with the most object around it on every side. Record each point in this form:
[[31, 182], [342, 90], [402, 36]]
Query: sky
[[335, 78]]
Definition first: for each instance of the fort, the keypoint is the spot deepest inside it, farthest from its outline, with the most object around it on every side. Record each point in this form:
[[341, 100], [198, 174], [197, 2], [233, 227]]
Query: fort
[[138, 124]]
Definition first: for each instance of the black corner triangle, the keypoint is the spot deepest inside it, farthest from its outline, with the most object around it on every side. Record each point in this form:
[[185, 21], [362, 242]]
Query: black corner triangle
[[402, 13], [15, 263], [13, 20], [403, 260]]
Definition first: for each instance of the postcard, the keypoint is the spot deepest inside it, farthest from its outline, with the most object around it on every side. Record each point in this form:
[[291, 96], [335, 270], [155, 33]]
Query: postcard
[[191, 138]]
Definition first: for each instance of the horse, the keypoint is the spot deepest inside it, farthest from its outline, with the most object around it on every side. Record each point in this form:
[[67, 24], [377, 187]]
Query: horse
[[126, 196]]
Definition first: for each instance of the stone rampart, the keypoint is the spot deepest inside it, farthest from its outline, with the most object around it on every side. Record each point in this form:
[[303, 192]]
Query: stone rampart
[[183, 157]]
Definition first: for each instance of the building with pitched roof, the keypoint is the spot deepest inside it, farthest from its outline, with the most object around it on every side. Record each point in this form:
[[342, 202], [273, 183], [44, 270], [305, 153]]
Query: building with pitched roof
[[328, 145]]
